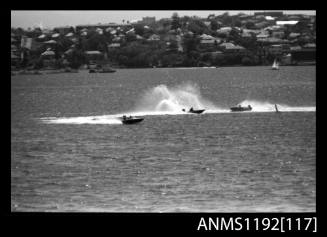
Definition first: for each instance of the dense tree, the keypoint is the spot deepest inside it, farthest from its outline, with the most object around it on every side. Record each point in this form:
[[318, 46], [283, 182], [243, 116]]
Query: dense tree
[[214, 25], [63, 44], [190, 43], [246, 61], [76, 59], [250, 25], [134, 52], [226, 19], [197, 26], [130, 37], [139, 29], [175, 24], [237, 23]]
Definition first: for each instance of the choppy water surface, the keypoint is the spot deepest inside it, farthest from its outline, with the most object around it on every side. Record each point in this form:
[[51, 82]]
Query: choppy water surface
[[70, 151]]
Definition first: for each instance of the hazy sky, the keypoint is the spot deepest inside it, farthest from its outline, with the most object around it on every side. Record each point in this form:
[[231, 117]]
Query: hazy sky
[[50, 19]]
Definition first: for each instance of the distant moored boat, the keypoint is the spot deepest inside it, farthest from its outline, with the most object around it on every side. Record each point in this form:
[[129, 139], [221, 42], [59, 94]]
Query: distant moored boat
[[275, 65]]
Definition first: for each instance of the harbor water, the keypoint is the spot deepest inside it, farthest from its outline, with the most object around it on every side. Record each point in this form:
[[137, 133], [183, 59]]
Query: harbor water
[[71, 153]]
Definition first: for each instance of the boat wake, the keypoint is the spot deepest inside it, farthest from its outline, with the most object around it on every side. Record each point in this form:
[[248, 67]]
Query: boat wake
[[259, 106], [162, 100], [103, 119]]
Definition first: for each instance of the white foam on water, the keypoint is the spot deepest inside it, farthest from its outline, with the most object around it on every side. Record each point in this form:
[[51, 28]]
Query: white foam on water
[[162, 100], [265, 106], [103, 119]]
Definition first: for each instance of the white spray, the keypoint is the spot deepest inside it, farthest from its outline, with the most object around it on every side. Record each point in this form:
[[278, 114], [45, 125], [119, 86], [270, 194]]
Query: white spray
[[162, 100]]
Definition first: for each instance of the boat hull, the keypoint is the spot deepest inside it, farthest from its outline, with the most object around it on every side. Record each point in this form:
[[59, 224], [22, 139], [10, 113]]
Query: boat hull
[[199, 111], [240, 109], [132, 121]]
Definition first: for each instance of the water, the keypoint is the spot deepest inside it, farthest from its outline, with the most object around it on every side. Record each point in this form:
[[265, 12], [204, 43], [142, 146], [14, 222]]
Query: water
[[70, 151]]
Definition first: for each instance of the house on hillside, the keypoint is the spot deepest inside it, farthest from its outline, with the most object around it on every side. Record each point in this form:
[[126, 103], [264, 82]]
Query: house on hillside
[[48, 58], [231, 48], [310, 45], [69, 35], [117, 39], [284, 23], [224, 30], [69, 52], [262, 24], [293, 35], [262, 35], [278, 34], [63, 30], [295, 48], [138, 37], [99, 31], [269, 18], [154, 37], [55, 36], [272, 40], [246, 34], [80, 28], [275, 49], [208, 40], [50, 43], [41, 37], [94, 56], [270, 13], [114, 45]]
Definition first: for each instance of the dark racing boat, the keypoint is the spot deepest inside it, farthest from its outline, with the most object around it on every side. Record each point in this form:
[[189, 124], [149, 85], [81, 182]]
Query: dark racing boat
[[240, 108], [195, 111], [131, 120]]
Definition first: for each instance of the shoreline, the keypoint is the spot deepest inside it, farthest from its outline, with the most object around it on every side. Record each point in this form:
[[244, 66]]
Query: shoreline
[[57, 71]]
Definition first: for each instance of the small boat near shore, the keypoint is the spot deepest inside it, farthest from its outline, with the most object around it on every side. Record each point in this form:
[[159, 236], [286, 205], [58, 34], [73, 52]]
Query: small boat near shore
[[107, 70], [131, 120], [240, 108], [195, 111], [103, 70], [93, 68]]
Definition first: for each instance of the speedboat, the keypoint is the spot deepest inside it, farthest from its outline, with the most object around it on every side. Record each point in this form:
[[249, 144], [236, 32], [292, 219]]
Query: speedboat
[[240, 108], [195, 111], [131, 120]]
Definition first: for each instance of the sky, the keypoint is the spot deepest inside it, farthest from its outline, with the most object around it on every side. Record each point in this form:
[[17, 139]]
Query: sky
[[50, 19]]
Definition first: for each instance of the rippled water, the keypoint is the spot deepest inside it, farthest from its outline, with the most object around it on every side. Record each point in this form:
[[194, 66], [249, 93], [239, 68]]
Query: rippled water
[[69, 152]]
